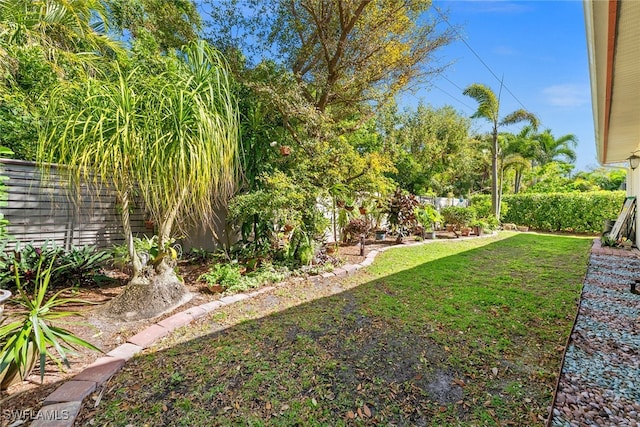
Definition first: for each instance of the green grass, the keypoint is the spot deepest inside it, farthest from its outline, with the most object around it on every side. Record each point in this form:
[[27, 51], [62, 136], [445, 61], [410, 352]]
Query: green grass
[[449, 333]]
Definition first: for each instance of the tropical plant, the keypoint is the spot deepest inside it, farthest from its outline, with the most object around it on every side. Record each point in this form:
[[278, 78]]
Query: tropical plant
[[74, 267], [355, 228], [402, 212], [172, 137], [32, 331], [489, 109], [428, 215], [550, 149], [225, 275]]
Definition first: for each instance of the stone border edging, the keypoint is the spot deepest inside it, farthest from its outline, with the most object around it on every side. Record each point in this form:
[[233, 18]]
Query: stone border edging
[[62, 406]]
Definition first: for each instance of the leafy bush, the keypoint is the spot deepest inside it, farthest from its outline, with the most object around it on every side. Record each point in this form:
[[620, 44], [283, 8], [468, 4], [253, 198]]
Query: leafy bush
[[229, 277], [482, 206], [225, 275], [401, 213], [457, 216], [70, 268], [572, 212], [427, 215], [355, 228]]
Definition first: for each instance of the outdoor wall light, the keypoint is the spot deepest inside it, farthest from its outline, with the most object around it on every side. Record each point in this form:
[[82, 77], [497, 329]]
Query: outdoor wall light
[[634, 161]]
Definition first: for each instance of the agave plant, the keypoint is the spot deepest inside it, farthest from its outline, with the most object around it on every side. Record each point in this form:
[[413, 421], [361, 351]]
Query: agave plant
[[31, 332]]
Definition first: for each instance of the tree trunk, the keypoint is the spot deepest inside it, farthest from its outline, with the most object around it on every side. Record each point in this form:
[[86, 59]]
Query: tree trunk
[[517, 181], [156, 289], [494, 174]]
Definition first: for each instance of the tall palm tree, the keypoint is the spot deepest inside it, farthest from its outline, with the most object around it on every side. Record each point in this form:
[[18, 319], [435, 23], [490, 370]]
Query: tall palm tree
[[550, 149], [489, 109], [518, 153], [172, 137]]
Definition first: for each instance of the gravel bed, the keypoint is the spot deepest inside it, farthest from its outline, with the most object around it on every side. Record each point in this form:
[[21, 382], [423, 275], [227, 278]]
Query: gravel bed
[[600, 381]]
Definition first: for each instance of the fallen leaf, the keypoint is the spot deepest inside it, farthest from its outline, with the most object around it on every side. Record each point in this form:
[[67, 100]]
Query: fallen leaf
[[446, 348], [367, 411], [359, 387], [247, 351], [443, 409], [237, 405], [487, 403], [459, 382], [350, 415], [164, 408], [267, 406], [284, 408], [495, 371], [314, 402], [360, 413]]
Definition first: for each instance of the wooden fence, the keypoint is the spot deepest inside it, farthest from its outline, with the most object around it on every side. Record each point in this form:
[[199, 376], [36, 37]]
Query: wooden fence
[[41, 209]]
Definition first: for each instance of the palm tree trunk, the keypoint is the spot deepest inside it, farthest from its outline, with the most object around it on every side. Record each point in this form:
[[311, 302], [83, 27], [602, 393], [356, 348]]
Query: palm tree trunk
[[517, 181], [494, 174]]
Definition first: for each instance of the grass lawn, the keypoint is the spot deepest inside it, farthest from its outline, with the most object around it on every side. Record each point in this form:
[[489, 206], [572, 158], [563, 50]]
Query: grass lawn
[[450, 333]]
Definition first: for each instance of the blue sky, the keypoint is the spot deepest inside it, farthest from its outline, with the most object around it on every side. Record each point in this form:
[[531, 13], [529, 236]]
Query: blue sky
[[540, 49]]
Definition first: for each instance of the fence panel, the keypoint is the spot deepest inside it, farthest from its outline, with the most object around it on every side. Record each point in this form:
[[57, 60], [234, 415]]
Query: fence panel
[[41, 209]]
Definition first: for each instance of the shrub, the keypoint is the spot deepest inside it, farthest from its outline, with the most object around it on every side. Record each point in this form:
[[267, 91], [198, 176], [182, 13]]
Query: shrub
[[225, 275], [355, 228], [458, 216], [572, 212], [482, 206], [69, 268]]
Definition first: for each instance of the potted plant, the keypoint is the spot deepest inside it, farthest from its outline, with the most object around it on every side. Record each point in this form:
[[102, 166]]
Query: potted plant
[[458, 217], [30, 335], [427, 215], [380, 234], [479, 225]]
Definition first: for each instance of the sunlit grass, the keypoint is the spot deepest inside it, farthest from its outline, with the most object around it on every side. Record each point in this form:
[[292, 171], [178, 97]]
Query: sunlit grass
[[449, 333]]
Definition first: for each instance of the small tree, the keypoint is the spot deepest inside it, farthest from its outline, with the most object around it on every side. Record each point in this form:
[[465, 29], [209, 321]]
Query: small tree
[[172, 137]]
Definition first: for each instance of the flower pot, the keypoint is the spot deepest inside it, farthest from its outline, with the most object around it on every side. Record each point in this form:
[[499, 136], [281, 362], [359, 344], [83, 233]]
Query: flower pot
[[478, 231], [430, 235], [4, 295], [380, 235], [12, 375], [465, 231], [285, 150], [331, 249]]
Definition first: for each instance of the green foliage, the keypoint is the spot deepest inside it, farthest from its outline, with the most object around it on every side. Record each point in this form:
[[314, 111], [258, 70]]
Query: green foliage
[[427, 215], [68, 268], [230, 278], [430, 147], [573, 212], [458, 216], [225, 275], [481, 205], [33, 329]]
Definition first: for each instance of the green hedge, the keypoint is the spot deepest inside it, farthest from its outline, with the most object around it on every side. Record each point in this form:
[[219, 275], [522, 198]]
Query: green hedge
[[573, 212]]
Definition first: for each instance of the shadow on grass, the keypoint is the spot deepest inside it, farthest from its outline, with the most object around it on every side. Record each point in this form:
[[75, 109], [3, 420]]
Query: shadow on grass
[[446, 339]]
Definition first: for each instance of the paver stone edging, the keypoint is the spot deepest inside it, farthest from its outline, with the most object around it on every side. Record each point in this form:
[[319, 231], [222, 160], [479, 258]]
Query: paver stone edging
[[61, 407]]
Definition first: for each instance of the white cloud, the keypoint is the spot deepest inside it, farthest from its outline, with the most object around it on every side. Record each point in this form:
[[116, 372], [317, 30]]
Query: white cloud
[[567, 95]]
